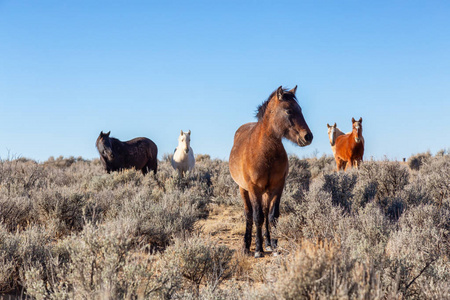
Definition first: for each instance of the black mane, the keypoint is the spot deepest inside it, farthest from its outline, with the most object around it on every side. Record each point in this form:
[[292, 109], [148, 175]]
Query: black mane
[[261, 110]]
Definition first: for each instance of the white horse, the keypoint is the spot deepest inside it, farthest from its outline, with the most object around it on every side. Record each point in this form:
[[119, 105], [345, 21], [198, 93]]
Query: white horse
[[183, 157]]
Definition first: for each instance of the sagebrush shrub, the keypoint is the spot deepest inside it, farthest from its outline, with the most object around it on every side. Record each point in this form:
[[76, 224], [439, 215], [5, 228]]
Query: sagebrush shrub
[[60, 209], [299, 174], [389, 180], [314, 218], [16, 212], [366, 234], [340, 185], [297, 184], [420, 248], [436, 174], [320, 270], [322, 165], [415, 162], [201, 261]]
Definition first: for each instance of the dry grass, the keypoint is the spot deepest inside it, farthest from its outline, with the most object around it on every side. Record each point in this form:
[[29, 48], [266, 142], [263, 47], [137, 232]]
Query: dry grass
[[70, 231]]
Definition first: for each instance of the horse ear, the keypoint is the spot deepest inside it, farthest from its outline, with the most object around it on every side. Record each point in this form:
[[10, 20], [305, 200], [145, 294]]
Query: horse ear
[[334, 124], [328, 125], [181, 132], [280, 93], [360, 120], [189, 132], [293, 90], [101, 132], [353, 120], [108, 133]]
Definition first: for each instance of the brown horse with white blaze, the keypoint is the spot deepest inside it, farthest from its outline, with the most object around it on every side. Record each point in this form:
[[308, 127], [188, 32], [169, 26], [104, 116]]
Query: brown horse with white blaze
[[259, 163], [350, 147]]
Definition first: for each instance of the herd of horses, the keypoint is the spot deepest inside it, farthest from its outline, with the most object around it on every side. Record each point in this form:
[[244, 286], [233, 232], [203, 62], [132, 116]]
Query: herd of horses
[[141, 153], [258, 162]]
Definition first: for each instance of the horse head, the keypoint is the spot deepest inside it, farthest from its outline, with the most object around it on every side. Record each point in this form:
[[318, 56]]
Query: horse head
[[184, 141], [104, 145], [357, 129], [332, 133], [288, 117]]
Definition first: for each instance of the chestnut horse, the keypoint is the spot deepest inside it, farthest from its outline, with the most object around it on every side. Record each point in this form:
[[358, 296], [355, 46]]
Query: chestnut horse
[[350, 147], [140, 153], [259, 163]]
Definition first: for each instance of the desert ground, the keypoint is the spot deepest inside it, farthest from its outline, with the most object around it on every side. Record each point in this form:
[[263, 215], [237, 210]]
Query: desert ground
[[69, 230]]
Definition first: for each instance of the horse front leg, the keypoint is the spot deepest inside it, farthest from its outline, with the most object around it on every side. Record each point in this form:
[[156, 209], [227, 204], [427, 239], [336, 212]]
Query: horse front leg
[[339, 163], [248, 211], [349, 164], [266, 208], [258, 219]]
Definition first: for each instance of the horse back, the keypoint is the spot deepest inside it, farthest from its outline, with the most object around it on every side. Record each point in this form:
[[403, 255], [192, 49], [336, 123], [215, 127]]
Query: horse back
[[142, 143], [242, 134], [138, 152]]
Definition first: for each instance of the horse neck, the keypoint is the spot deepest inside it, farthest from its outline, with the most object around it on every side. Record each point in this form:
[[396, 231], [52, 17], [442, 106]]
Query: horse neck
[[116, 145], [181, 150], [269, 141], [270, 129]]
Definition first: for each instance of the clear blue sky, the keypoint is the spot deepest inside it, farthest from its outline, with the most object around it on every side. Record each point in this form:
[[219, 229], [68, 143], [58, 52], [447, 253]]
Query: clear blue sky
[[69, 69]]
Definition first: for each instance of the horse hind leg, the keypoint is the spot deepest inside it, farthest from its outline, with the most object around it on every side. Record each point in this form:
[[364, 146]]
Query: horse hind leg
[[274, 214], [266, 223], [155, 167], [151, 165], [144, 170], [248, 211]]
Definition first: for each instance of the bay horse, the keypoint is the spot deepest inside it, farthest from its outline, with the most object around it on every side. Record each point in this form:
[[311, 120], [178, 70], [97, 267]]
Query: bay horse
[[183, 158], [259, 163], [140, 153], [350, 147]]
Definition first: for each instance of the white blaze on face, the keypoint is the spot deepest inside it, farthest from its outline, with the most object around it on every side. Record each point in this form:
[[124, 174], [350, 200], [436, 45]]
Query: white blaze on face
[[332, 135], [358, 129]]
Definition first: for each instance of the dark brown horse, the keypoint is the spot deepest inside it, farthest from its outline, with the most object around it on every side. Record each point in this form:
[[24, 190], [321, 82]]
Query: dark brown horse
[[140, 153], [350, 147], [259, 163]]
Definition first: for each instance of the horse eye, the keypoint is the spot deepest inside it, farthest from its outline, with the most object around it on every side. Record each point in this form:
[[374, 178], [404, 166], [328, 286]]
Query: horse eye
[[288, 111]]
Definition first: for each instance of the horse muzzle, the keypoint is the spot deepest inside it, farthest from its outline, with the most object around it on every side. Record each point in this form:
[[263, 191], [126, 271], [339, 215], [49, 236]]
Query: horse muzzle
[[306, 140]]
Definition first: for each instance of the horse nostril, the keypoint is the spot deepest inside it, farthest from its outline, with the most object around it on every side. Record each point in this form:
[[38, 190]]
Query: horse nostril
[[309, 137]]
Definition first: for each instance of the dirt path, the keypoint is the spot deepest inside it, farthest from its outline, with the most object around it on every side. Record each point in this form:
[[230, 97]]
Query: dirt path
[[226, 225]]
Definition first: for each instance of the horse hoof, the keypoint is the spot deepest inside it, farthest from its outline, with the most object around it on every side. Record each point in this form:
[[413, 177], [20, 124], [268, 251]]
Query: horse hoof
[[245, 251], [269, 249], [258, 254]]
